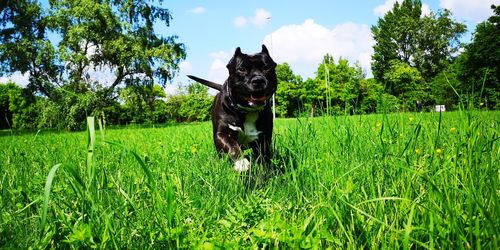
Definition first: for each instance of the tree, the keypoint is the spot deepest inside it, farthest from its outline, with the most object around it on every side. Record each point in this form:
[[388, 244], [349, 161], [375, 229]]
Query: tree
[[370, 92], [192, 105], [140, 102], [427, 43], [481, 59], [394, 36], [339, 83], [24, 46], [117, 35], [287, 99], [438, 43], [5, 112], [18, 108], [406, 83], [312, 95], [444, 85]]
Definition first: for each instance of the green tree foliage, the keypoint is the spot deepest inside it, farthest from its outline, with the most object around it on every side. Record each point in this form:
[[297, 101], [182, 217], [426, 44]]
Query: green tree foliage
[[371, 93], [288, 100], [118, 35], [140, 103], [338, 85], [338, 88], [24, 46], [438, 43], [427, 43], [311, 95], [5, 112], [192, 105], [407, 84], [18, 107], [480, 63], [446, 85]]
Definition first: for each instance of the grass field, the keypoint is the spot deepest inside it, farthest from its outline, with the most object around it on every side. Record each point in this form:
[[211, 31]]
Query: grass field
[[374, 181]]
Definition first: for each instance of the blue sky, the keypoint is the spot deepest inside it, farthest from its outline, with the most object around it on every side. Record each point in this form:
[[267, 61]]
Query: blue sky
[[297, 32]]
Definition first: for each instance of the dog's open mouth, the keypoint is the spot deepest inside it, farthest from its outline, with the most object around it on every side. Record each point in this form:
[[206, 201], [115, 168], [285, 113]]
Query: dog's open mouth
[[256, 100]]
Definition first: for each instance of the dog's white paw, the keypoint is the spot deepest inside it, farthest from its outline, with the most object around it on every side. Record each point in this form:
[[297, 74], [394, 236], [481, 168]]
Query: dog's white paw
[[242, 165]]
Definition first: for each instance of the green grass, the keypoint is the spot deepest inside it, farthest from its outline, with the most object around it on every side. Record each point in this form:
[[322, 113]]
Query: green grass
[[374, 181]]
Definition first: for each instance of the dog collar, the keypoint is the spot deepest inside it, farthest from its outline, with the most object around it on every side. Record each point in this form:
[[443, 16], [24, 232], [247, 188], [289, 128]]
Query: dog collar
[[250, 109]]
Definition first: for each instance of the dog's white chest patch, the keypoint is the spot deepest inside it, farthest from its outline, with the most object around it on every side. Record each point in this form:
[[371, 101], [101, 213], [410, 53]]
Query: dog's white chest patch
[[249, 133]]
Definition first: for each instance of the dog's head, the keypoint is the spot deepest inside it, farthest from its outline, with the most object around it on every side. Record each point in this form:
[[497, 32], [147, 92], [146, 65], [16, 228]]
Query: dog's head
[[252, 78]]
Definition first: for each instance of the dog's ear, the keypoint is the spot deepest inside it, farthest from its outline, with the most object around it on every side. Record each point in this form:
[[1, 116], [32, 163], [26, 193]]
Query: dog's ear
[[264, 50], [237, 52], [231, 62]]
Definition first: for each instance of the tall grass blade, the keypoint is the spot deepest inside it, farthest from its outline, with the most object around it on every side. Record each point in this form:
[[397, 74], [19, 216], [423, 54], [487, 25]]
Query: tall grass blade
[[46, 196], [408, 227], [454, 90], [74, 172], [416, 132], [484, 81]]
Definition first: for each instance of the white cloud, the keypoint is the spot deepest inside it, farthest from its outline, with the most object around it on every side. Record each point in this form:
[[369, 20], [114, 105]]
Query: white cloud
[[260, 19], [218, 71], [426, 10], [197, 10], [384, 8], [304, 46], [185, 66], [240, 22], [472, 10], [17, 78], [171, 89], [103, 75], [381, 10]]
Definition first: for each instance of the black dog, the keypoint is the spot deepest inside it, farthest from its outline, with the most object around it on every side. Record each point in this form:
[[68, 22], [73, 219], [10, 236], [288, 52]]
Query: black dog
[[241, 115]]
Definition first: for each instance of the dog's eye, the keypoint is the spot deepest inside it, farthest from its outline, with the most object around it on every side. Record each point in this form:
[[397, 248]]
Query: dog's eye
[[266, 68], [242, 70]]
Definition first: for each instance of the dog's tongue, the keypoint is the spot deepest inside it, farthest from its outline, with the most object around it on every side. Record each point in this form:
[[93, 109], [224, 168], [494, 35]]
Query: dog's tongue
[[258, 98]]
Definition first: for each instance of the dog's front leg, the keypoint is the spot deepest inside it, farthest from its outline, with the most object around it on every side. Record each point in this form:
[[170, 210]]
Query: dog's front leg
[[227, 143]]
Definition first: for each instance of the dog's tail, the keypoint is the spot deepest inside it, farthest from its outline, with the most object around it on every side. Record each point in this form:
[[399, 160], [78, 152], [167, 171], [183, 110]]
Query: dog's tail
[[206, 82]]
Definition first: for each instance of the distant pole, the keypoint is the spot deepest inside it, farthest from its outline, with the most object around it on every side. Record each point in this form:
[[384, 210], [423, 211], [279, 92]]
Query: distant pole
[[274, 108]]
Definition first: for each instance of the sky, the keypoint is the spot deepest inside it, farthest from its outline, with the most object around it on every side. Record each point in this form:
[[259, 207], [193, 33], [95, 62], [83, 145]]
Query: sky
[[298, 32]]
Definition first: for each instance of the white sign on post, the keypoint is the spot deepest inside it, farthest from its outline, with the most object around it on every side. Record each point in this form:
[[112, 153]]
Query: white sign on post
[[440, 108]]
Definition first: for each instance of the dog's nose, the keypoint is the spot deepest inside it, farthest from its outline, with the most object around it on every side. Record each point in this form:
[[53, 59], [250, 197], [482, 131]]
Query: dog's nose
[[258, 81]]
